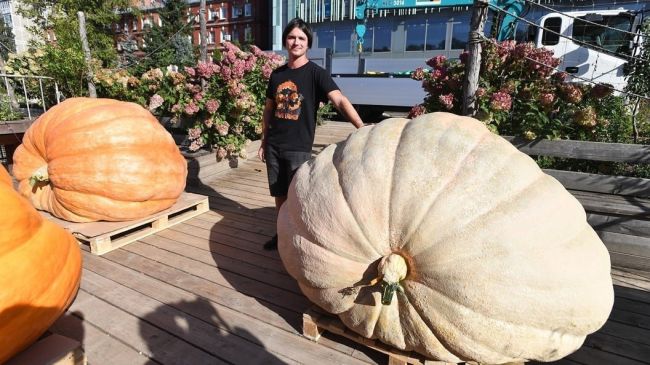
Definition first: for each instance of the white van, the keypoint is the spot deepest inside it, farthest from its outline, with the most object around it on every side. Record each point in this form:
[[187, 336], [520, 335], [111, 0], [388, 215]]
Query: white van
[[595, 45]]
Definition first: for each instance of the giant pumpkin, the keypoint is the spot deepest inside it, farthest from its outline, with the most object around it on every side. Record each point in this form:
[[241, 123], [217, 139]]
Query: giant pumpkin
[[437, 236], [99, 159], [40, 268]]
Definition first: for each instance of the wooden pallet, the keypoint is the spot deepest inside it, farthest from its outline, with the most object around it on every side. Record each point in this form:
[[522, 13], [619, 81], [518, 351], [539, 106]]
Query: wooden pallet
[[315, 321], [104, 237], [52, 349]]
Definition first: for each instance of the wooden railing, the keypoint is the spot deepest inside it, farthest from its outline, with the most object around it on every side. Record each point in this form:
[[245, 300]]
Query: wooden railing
[[618, 207]]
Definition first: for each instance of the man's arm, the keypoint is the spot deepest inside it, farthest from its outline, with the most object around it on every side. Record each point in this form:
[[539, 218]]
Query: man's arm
[[266, 119], [343, 105]]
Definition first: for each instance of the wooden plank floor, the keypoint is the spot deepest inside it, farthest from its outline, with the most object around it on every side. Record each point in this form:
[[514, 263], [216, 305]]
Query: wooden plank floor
[[204, 292]]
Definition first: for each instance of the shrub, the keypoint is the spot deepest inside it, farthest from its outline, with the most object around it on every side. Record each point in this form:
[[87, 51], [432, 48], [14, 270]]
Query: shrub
[[519, 94], [224, 100]]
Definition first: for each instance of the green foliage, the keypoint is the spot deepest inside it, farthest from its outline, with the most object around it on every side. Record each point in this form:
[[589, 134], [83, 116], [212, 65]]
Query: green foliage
[[637, 79], [63, 60], [221, 102], [6, 113], [168, 44], [519, 94]]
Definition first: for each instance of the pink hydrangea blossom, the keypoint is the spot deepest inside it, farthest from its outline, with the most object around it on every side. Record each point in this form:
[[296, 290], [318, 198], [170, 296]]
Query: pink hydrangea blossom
[[437, 61], [191, 108], [212, 105], [501, 101], [190, 71], [547, 99], [155, 102], [447, 100], [196, 145], [222, 128], [418, 74], [221, 153], [194, 133]]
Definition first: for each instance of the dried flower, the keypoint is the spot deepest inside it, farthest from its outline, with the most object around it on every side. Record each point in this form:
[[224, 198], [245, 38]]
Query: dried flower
[[416, 111], [447, 100], [155, 102]]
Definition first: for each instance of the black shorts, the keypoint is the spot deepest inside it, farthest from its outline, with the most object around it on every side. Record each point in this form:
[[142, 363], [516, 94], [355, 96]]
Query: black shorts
[[281, 166]]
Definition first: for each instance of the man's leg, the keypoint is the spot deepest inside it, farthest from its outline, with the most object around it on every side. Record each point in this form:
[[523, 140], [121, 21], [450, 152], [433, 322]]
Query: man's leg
[[272, 244], [289, 163]]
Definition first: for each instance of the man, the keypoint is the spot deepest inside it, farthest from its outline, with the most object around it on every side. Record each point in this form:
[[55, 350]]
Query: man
[[289, 120]]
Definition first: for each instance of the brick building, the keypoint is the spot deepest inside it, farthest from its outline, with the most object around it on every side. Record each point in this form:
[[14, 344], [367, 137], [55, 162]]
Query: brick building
[[243, 21]]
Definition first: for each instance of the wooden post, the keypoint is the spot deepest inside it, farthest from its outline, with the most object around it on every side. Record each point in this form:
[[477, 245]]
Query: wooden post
[[473, 66], [84, 44], [204, 33]]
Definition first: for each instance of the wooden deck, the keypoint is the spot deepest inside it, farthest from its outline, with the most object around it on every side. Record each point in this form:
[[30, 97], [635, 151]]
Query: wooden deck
[[205, 292]]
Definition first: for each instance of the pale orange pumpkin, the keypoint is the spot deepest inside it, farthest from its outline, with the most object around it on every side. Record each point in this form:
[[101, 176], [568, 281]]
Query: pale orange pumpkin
[[99, 159], [437, 236], [40, 269]]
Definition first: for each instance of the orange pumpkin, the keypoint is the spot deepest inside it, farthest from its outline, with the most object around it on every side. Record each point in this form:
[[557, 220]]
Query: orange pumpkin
[[40, 268], [89, 159]]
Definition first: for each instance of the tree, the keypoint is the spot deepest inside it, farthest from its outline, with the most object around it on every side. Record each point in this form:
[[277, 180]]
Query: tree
[[637, 80], [63, 58], [171, 40]]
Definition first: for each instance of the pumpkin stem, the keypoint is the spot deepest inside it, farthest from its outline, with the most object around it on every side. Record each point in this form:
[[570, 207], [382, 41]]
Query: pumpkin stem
[[39, 177], [392, 269]]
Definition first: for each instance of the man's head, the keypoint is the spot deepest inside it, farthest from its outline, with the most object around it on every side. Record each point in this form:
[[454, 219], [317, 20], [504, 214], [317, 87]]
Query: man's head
[[301, 25]]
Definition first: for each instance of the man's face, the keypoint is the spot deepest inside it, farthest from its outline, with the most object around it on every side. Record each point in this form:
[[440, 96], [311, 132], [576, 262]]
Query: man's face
[[296, 43]]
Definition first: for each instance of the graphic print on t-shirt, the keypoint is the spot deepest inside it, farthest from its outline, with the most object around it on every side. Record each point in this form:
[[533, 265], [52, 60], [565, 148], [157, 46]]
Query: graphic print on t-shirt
[[288, 101]]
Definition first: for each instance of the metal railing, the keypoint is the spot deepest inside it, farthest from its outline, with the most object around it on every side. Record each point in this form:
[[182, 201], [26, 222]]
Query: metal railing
[[22, 79]]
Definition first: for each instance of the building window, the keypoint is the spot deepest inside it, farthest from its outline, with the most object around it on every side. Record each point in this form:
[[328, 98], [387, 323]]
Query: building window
[[7, 20], [159, 21], [213, 15], [326, 39], [135, 24], [222, 13], [342, 40], [551, 35], [248, 9], [459, 33], [382, 39], [146, 22], [235, 35], [210, 37], [415, 35], [248, 34], [436, 34], [235, 12]]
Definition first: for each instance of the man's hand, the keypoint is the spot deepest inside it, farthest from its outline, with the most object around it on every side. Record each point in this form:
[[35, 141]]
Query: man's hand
[[260, 154]]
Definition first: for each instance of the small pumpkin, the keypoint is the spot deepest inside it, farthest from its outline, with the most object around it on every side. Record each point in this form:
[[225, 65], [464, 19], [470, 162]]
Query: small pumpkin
[[40, 269], [437, 236], [90, 159]]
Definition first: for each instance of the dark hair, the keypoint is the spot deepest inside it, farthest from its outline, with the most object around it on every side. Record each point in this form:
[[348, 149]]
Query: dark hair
[[300, 24]]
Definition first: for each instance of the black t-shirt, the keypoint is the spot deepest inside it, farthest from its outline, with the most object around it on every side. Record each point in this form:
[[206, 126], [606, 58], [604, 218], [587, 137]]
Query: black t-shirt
[[297, 93]]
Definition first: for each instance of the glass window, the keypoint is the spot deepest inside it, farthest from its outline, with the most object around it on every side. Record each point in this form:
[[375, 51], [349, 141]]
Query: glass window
[[382, 39], [436, 34], [7, 20], [248, 9], [415, 33], [552, 29], [325, 39], [612, 40], [343, 37], [459, 34]]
